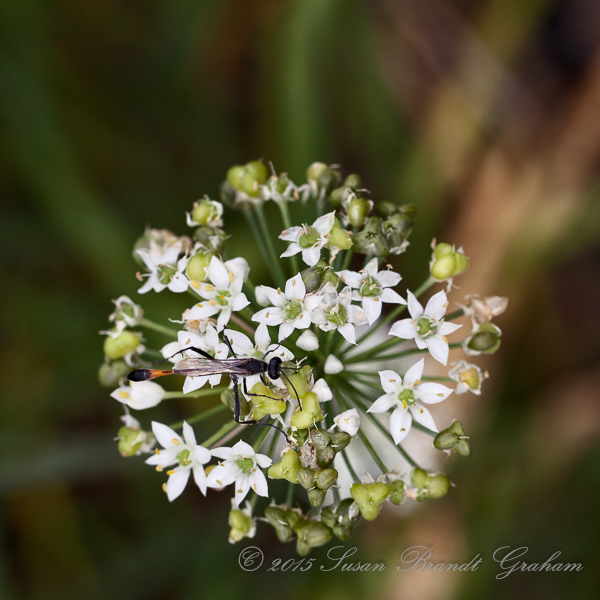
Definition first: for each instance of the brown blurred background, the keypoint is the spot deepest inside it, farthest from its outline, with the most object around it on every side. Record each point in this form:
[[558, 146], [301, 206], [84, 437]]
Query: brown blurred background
[[115, 115]]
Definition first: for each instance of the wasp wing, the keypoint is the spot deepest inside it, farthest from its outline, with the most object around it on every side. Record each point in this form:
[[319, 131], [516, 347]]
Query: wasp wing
[[198, 367]]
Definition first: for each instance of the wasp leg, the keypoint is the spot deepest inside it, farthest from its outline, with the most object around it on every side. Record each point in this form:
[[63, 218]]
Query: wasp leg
[[227, 342], [247, 393], [295, 391]]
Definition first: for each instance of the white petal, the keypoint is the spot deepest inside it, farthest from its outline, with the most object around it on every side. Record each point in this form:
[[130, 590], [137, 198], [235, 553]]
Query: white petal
[[308, 341], [333, 365], [261, 294], [176, 483], [388, 279], [165, 435], [447, 328], [371, 267], [388, 295], [414, 374], [390, 381], [218, 274], [169, 350], [421, 415], [348, 421], [291, 250], [295, 288], [347, 331], [240, 302], [242, 486], [351, 278], [179, 283], [199, 477], [431, 392], [285, 330], [372, 308], [311, 256], [269, 316], [262, 337], [436, 307], [322, 390], [291, 235], [188, 434], [383, 403], [404, 329], [400, 424], [263, 460], [191, 384], [258, 482], [414, 306], [240, 343], [244, 449], [438, 348], [202, 454], [325, 223], [223, 318]]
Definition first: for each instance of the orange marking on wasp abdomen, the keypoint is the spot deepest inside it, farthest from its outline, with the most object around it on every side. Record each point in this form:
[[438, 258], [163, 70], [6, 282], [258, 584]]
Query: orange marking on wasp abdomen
[[154, 373]]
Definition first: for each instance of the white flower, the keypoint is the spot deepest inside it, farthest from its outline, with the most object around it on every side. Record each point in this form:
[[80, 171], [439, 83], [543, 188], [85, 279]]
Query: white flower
[[468, 376], [185, 453], [240, 465], [427, 326], [261, 349], [165, 269], [280, 189], [333, 365], [209, 342], [308, 341], [348, 421], [223, 295], [337, 312], [404, 397], [139, 394], [126, 314], [373, 287], [192, 325], [309, 239], [292, 309], [322, 390]]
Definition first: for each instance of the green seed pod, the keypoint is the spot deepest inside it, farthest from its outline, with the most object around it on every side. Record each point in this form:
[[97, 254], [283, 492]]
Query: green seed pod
[[372, 240], [265, 402], [444, 267], [316, 497], [125, 343], [278, 519], [410, 210], [325, 456], [438, 485], [325, 478], [310, 413], [301, 436], [227, 194], [339, 237], [443, 250], [320, 438], [254, 175], [341, 518], [419, 478], [353, 181], [340, 440], [211, 238], [337, 197], [297, 381], [206, 211], [234, 177], [109, 374], [486, 339], [306, 477], [462, 263], [228, 399], [286, 468], [358, 209], [322, 177], [241, 525], [316, 277], [397, 491], [445, 440], [369, 497], [197, 266], [463, 447], [310, 534], [387, 209]]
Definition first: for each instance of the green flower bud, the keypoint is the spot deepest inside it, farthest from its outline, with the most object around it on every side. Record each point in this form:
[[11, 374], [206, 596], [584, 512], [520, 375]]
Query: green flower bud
[[310, 534], [325, 478], [369, 497], [341, 518], [325, 456], [443, 250], [310, 413], [279, 519], [117, 347], [316, 497], [397, 491], [358, 209], [438, 485], [297, 381], [486, 339], [462, 263], [353, 181], [339, 237], [265, 402], [234, 177], [130, 440], [286, 468], [228, 399], [241, 525], [453, 438], [322, 177], [443, 267], [419, 478], [387, 209], [109, 374], [255, 174], [197, 266]]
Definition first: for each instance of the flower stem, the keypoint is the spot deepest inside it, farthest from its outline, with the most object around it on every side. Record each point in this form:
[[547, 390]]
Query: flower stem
[[273, 262], [242, 324], [259, 238], [454, 315], [289, 498], [261, 439], [349, 467], [200, 416], [397, 311], [402, 354], [424, 429], [198, 394], [220, 433], [157, 327]]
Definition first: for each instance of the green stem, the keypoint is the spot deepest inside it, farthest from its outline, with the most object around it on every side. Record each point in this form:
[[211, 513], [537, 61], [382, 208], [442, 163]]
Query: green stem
[[274, 262], [157, 327], [289, 497], [349, 467], [347, 258], [424, 429], [258, 237], [287, 223], [402, 354], [397, 311], [200, 416], [198, 394], [220, 433], [261, 439], [454, 315]]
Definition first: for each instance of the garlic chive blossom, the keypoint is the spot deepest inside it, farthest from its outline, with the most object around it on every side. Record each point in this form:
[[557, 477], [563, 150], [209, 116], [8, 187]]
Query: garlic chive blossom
[[404, 396], [165, 271], [337, 312], [373, 288], [223, 295], [427, 327], [139, 395], [290, 310], [240, 465], [185, 453], [309, 239]]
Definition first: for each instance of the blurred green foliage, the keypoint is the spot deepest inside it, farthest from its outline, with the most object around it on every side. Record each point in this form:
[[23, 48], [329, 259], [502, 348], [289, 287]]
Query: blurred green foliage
[[115, 115]]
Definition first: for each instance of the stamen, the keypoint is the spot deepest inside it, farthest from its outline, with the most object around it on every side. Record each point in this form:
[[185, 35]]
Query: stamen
[[195, 284], [230, 277], [212, 302], [209, 288], [123, 395], [175, 441]]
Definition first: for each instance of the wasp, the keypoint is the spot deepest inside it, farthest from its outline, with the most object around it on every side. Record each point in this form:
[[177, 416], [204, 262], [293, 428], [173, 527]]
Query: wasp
[[237, 368]]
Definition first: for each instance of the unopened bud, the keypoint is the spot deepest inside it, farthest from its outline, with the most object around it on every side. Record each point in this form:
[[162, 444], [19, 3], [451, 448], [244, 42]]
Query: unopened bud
[[286, 468], [242, 525], [110, 373], [369, 497], [485, 339], [358, 209], [207, 212], [339, 237], [131, 440], [211, 238], [197, 266], [322, 177], [310, 534], [117, 347], [308, 341]]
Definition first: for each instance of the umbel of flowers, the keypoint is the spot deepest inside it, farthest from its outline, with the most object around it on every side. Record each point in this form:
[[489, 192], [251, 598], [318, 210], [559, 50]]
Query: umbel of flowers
[[354, 344]]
